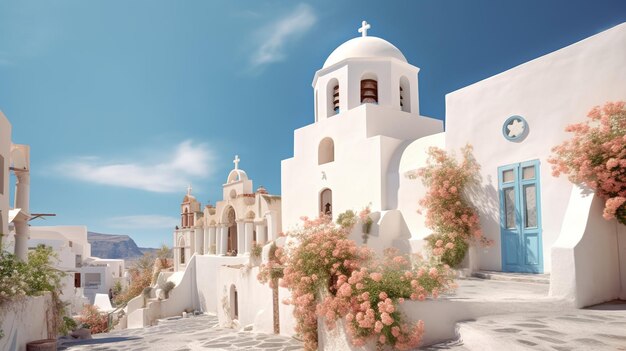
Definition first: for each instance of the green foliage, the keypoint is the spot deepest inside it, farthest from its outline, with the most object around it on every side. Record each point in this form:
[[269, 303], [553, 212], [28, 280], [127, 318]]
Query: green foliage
[[30, 278], [35, 277], [68, 325], [141, 275], [454, 256], [347, 219], [117, 287], [167, 288], [257, 250], [42, 276], [164, 252]]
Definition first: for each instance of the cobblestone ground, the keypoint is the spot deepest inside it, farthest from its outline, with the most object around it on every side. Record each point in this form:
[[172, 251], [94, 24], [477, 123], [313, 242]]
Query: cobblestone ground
[[600, 328], [194, 333]]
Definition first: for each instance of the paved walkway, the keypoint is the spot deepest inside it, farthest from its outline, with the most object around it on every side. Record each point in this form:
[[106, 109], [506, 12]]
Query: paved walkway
[[598, 328], [193, 333]]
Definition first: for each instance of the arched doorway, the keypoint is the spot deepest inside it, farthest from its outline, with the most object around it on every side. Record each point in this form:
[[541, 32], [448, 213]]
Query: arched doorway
[[234, 303], [326, 202], [231, 247]]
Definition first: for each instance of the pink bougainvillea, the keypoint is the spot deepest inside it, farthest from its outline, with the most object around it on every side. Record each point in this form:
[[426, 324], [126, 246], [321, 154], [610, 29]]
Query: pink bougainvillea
[[454, 221], [330, 277], [596, 156]]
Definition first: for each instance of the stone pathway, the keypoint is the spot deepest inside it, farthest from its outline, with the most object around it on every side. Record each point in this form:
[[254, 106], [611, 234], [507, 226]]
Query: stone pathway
[[599, 328], [193, 333]]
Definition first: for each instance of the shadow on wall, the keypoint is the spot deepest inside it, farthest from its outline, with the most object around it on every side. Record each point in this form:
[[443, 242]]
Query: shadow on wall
[[484, 197], [202, 301]]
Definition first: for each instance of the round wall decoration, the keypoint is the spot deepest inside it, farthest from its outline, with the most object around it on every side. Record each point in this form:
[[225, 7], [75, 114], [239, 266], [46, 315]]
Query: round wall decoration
[[515, 128]]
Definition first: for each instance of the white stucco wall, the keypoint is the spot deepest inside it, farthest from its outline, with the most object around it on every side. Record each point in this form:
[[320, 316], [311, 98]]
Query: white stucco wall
[[587, 267], [254, 299], [24, 321], [549, 92], [365, 140], [411, 191], [207, 288]]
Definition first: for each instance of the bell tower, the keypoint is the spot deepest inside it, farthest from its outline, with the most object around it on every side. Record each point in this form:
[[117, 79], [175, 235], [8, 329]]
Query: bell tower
[[365, 70]]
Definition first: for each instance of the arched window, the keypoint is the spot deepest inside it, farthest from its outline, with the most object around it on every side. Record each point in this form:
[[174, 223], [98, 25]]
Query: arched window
[[326, 202], [181, 248], [405, 95], [369, 89], [332, 93], [185, 218], [326, 151]]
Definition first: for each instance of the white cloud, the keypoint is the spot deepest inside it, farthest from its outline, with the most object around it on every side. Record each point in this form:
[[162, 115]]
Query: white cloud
[[143, 222], [172, 174], [285, 29]]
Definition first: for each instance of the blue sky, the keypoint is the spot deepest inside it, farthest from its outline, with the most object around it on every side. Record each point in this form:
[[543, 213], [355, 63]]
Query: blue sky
[[124, 103]]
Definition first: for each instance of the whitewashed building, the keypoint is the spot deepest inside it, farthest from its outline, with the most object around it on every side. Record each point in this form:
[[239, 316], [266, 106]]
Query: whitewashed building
[[214, 268], [368, 133], [86, 275]]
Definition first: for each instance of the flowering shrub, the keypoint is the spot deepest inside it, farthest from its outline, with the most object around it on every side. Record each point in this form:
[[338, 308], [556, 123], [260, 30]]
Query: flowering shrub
[[18, 279], [453, 220], [596, 156], [141, 276], [367, 222], [94, 320], [330, 276], [347, 219], [13, 277]]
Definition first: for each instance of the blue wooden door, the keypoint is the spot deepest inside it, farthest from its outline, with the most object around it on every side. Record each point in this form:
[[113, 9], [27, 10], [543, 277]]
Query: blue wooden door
[[520, 217]]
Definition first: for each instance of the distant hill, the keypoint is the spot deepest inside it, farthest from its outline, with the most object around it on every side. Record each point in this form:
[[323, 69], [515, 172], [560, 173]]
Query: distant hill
[[115, 246]]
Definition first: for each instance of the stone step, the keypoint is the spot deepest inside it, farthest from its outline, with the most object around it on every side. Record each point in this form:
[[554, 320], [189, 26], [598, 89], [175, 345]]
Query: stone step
[[517, 277]]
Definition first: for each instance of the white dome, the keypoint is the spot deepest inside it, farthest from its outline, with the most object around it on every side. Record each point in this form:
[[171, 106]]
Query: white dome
[[364, 47]]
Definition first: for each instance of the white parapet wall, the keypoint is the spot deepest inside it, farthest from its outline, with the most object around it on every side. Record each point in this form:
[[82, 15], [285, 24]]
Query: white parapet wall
[[25, 320], [243, 298], [440, 317], [587, 254]]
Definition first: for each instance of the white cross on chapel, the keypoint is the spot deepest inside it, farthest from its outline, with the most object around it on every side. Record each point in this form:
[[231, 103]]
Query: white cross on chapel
[[364, 27], [236, 161], [189, 189]]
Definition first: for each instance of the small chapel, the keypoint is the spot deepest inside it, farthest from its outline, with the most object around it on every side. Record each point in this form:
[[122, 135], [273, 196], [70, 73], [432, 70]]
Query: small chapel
[[244, 217]]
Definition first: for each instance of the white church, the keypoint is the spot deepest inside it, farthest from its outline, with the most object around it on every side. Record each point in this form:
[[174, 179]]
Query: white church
[[367, 134]]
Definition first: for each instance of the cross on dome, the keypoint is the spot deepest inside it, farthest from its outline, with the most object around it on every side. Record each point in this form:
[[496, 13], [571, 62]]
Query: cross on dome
[[236, 161], [364, 27], [189, 189]]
